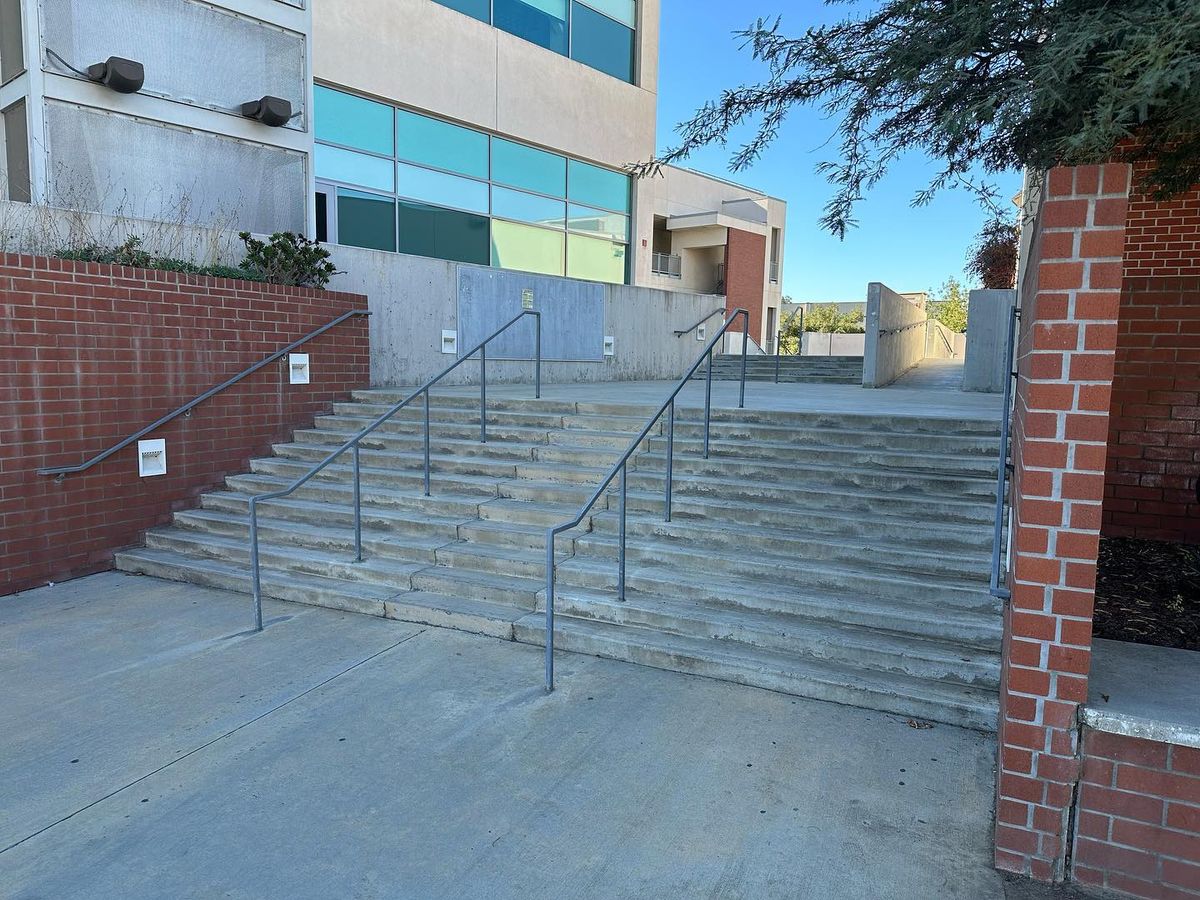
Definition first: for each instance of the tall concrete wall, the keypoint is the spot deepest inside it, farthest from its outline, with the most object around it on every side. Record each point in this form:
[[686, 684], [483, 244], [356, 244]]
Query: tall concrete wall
[[895, 340], [821, 343], [988, 313]]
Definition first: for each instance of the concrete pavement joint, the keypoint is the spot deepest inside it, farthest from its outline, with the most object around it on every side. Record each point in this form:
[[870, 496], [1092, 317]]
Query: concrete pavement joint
[[215, 740]]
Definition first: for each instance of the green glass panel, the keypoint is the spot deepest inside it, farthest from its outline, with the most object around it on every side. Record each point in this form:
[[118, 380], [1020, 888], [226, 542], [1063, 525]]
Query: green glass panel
[[598, 222], [365, 220], [443, 233], [527, 248], [525, 167], [476, 9], [527, 207], [336, 164], [352, 121], [442, 145], [596, 260], [598, 187], [601, 43]]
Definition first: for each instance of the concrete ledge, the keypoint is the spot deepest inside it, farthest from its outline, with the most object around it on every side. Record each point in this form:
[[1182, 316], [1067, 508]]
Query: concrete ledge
[[1144, 692]]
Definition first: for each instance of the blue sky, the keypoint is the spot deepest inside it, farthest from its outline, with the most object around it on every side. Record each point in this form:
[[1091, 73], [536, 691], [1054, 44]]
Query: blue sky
[[907, 248]]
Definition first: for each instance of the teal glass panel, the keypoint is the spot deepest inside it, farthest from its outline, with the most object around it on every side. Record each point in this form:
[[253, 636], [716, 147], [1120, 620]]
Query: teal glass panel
[[525, 167], [598, 222], [352, 121], [476, 9], [444, 233], [601, 43], [528, 207], [441, 188], [598, 187], [336, 164], [544, 22], [430, 142], [365, 220], [624, 11]]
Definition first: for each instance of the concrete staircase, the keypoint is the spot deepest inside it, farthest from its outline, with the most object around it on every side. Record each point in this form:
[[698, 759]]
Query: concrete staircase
[[792, 369], [833, 556]]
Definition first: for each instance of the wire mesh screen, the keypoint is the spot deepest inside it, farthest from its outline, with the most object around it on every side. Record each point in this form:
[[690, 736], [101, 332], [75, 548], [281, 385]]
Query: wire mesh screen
[[116, 164], [192, 52]]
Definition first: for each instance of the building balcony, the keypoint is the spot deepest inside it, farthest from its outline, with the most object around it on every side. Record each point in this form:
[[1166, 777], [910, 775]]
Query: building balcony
[[668, 264]]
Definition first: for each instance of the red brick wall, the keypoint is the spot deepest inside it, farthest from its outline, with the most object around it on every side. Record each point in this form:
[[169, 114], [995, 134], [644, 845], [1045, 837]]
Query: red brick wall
[[1154, 435], [1162, 237], [745, 270], [1137, 828], [1060, 431], [89, 354]]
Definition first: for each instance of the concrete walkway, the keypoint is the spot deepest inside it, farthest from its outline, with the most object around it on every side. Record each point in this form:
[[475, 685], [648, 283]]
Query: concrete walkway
[[151, 748]]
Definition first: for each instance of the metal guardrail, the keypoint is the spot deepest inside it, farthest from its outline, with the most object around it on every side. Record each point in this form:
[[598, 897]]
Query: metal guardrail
[[62, 472], [1002, 470], [779, 343], [700, 322], [669, 264], [621, 468], [774, 273], [353, 444]]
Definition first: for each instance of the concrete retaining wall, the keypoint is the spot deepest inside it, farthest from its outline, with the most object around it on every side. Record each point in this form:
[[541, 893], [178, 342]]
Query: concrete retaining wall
[[895, 338], [988, 313], [822, 343]]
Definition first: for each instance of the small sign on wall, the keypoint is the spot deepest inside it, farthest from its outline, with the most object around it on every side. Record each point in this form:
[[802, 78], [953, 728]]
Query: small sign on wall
[[527, 298]]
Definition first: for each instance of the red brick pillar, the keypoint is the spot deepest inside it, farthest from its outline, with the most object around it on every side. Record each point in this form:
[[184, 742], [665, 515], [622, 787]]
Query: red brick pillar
[[1060, 433], [745, 276]]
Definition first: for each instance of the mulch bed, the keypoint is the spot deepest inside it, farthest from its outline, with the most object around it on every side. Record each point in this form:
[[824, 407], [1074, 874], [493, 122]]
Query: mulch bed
[[1148, 592]]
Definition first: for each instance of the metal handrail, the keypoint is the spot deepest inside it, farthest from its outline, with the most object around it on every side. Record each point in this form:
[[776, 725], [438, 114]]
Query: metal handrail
[[353, 444], [63, 471], [680, 334], [938, 331], [621, 468], [1010, 375]]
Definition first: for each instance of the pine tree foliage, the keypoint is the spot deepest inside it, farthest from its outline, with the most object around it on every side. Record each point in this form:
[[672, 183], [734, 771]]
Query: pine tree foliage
[[998, 85]]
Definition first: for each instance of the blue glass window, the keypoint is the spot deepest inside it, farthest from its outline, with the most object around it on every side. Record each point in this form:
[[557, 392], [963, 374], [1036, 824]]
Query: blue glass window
[[365, 220], [543, 22], [598, 222], [444, 233], [353, 121], [601, 43], [430, 142], [598, 187], [524, 167], [336, 164], [441, 189], [476, 9], [624, 11], [527, 207]]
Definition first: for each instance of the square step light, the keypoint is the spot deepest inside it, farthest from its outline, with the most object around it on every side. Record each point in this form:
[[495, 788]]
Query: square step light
[[610, 345], [152, 458], [298, 369], [702, 333], [450, 342]]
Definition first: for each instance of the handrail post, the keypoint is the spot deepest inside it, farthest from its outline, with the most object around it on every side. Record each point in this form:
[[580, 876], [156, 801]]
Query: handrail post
[[670, 460], [426, 442], [549, 610], [357, 508], [537, 370], [1002, 468], [621, 544], [778, 347], [707, 400], [483, 394], [745, 347], [256, 586]]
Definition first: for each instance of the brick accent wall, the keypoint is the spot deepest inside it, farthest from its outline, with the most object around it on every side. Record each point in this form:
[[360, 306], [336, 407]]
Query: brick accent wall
[[745, 271], [1154, 435], [90, 354], [1163, 236], [1060, 430], [1137, 828]]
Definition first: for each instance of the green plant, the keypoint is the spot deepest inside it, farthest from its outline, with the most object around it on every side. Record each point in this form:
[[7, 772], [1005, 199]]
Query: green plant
[[950, 305], [993, 257], [288, 258], [997, 86], [130, 253]]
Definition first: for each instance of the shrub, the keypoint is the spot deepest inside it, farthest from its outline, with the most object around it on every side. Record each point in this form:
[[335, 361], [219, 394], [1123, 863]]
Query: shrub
[[288, 258], [993, 258]]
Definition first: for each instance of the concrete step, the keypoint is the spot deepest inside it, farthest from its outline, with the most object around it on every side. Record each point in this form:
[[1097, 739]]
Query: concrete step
[[876, 651], [965, 706], [420, 607], [320, 491], [461, 416], [773, 436]]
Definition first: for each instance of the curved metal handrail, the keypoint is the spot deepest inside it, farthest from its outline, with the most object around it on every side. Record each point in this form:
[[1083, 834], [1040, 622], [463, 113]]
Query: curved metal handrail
[[621, 468], [680, 334], [63, 471], [352, 444]]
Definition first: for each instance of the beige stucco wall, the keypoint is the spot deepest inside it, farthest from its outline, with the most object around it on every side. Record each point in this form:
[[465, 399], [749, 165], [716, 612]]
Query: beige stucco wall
[[421, 54]]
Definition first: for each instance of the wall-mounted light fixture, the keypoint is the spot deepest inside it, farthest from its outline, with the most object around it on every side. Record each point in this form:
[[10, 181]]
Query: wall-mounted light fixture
[[125, 76], [610, 345], [298, 369], [152, 458], [450, 342], [271, 111]]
